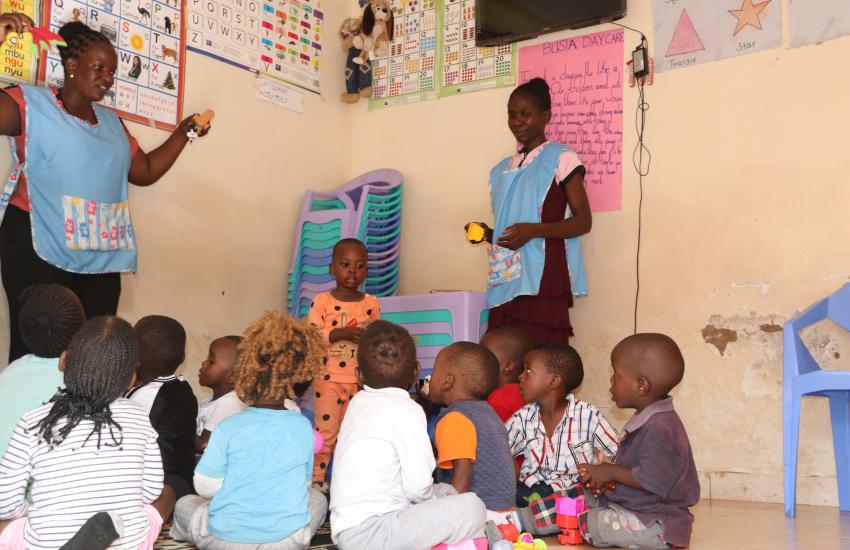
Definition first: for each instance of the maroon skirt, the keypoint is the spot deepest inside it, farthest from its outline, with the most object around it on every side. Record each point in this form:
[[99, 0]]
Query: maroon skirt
[[546, 316]]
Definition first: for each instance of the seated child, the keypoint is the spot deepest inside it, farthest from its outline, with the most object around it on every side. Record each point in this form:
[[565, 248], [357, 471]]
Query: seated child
[[50, 316], [554, 433], [258, 464], [89, 455], [342, 315], [217, 374], [167, 398], [382, 494], [655, 476], [509, 345], [472, 445]]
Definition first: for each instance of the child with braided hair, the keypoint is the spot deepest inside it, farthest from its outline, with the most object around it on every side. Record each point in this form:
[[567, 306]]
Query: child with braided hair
[[253, 479], [91, 456]]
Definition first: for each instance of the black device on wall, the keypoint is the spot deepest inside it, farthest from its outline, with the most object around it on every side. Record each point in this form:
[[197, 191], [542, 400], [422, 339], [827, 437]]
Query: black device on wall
[[505, 21]]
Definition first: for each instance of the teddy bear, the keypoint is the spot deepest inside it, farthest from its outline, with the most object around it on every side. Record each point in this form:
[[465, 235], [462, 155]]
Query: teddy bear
[[377, 32], [358, 77]]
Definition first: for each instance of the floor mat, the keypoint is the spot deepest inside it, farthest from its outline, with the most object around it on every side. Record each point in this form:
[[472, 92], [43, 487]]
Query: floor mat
[[322, 540]]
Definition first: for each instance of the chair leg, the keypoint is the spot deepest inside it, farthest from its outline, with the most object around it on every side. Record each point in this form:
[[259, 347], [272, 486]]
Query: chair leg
[[791, 435], [839, 410]]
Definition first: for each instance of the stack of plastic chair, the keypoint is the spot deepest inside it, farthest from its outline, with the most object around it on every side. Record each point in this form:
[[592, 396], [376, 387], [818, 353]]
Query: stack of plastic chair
[[437, 320], [804, 377], [367, 208]]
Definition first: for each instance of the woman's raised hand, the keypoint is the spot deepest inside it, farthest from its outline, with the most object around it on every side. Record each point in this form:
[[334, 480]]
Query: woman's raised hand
[[17, 23]]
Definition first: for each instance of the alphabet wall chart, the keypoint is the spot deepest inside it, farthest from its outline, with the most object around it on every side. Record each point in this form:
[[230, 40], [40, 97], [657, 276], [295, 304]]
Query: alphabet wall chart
[[148, 38], [280, 38]]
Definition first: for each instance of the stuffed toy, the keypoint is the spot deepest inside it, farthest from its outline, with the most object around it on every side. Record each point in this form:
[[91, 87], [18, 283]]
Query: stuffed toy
[[377, 33], [358, 77]]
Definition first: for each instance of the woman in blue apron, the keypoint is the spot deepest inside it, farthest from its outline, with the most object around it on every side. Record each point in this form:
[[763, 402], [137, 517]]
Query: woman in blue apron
[[538, 202], [65, 214]]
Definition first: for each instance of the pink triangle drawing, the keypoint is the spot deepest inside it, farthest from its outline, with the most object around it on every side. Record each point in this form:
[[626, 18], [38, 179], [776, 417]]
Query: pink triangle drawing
[[685, 37]]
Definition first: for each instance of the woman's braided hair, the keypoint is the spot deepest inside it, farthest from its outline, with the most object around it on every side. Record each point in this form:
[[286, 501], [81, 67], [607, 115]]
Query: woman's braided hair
[[78, 37], [99, 366], [276, 353]]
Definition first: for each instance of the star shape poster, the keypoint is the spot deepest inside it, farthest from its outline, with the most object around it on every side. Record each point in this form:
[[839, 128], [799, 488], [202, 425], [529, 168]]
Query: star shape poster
[[688, 32]]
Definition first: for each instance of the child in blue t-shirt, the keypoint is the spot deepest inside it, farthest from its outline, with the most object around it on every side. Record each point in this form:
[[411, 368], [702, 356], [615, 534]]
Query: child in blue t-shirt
[[50, 315], [258, 464]]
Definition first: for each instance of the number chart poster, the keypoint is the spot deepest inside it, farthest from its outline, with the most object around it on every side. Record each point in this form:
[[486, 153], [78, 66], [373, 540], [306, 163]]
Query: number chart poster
[[148, 37], [408, 73], [17, 63], [465, 67], [585, 75], [227, 30]]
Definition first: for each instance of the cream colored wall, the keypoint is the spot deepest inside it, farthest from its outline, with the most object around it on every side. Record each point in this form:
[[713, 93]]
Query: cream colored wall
[[215, 234], [745, 222]]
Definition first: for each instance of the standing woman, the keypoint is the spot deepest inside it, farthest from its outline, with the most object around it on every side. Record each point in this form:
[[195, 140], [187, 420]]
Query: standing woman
[[67, 219], [538, 201]]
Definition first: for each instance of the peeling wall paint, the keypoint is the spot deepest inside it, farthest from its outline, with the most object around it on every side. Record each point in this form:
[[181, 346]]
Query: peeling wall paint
[[719, 337]]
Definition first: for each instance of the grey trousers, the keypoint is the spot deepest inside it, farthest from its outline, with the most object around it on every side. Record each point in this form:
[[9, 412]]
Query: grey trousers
[[449, 518], [613, 525], [192, 512]]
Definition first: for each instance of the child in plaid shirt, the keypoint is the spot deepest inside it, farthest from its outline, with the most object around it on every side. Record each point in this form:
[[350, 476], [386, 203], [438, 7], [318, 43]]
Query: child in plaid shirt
[[554, 433]]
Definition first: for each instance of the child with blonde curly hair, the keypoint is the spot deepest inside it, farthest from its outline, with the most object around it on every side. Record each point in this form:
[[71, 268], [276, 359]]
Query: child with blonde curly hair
[[253, 480]]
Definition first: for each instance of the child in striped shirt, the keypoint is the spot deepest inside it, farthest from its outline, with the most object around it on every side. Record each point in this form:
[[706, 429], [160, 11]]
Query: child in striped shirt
[[554, 433], [90, 455]]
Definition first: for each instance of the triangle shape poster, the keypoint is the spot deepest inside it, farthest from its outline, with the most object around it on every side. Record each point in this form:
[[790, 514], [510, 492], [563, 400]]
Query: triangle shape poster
[[689, 32]]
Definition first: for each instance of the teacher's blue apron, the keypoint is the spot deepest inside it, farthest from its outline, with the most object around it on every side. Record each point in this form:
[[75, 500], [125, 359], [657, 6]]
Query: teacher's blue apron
[[517, 196], [76, 176]]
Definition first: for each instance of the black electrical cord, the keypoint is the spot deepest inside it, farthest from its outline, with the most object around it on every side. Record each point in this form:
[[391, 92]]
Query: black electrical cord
[[640, 151]]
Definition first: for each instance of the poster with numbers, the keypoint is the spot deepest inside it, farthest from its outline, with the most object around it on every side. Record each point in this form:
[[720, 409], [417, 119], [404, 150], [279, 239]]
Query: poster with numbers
[[17, 64], [148, 38], [227, 30], [408, 74], [467, 68], [291, 41]]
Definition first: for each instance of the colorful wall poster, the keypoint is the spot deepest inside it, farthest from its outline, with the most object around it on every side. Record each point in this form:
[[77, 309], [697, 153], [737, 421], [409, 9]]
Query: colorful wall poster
[[465, 67], [227, 30], [148, 37], [291, 41], [17, 63], [408, 73], [585, 75], [687, 32]]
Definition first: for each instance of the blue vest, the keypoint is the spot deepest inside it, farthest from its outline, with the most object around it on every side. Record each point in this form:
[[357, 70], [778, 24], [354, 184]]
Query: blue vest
[[77, 182], [493, 474], [517, 196]]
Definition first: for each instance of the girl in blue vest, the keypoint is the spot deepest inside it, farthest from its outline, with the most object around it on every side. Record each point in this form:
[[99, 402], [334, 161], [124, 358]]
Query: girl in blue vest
[[67, 219], [538, 202]]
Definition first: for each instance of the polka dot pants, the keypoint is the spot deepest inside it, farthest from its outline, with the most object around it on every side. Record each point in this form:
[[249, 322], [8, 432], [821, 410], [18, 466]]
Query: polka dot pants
[[330, 402]]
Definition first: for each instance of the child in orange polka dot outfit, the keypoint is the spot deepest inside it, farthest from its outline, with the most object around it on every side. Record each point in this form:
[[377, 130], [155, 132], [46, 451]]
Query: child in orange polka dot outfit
[[342, 315]]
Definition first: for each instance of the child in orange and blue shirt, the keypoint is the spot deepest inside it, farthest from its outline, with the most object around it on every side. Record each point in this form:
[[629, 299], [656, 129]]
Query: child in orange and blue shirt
[[342, 315]]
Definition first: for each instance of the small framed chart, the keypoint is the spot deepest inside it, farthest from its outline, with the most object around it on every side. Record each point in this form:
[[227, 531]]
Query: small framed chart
[[465, 67], [408, 74], [227, 30], [17, 63], [291, 41], [149, 40]]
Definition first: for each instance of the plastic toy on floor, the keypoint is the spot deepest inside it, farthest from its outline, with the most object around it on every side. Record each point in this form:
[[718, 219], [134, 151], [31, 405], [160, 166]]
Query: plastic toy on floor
[[479, 543], [527, 542], [568, 510], [509, 532]]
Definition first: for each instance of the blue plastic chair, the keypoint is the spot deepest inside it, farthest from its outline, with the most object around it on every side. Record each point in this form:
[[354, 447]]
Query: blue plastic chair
[[804, 377]]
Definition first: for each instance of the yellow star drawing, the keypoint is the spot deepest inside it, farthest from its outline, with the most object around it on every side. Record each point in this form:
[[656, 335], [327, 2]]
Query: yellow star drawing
[[748, 15]]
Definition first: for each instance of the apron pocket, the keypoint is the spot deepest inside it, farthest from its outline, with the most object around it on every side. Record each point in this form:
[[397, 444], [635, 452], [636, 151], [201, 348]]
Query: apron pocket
[[93, 225], [505, 265]]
